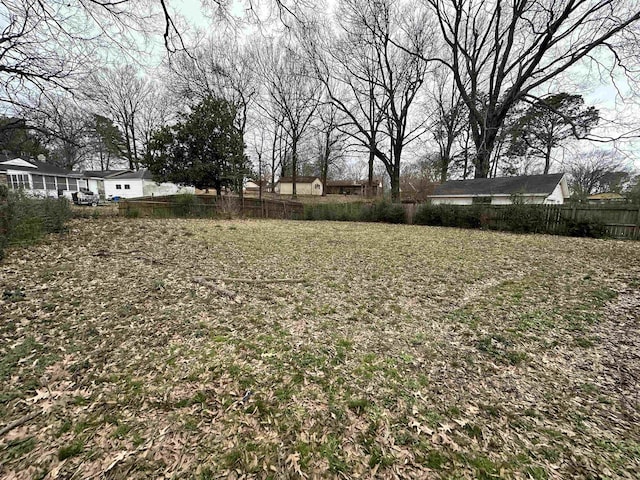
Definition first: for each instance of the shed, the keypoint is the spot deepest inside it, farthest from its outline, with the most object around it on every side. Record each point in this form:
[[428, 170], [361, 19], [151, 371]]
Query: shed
[[305, 185]]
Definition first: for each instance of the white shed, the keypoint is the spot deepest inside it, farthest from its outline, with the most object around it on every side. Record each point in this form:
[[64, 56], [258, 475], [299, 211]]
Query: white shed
[[532, 189]]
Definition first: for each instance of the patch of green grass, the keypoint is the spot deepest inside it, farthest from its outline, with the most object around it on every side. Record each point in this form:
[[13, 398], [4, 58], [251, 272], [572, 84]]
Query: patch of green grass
[[71, 450], [122, 431], [19, 447], [435, 460], [358, 405], [331, 450]]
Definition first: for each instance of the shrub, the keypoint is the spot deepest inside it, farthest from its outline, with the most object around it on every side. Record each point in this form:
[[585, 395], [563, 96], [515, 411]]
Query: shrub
[[356, 212], [24, 219], [189, 205], [343, 212], [462, 216], [585, 228], [383, 211], [522, 218]]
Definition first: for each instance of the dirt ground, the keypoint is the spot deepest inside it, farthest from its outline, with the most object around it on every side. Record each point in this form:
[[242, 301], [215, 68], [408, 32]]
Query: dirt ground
[[139, 348]]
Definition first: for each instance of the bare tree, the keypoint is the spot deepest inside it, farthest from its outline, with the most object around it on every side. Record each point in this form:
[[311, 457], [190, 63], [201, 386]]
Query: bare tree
[[511, 49], [330, 140], [371, 79], [67, 128], [450, 120], [290, 90], [597, 171], [120, 93], [50, 46]]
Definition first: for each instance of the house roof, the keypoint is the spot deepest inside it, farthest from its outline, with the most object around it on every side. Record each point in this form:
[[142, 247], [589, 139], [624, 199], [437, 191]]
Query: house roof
[[299, 179], [526, 184], [101, 173], [34, 166], [131, 175]]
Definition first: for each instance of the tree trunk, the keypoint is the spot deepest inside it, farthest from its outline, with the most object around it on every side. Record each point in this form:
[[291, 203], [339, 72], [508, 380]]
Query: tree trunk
[[372, 157], [547, 159], [482, 163], [294, 166], [395, 183]]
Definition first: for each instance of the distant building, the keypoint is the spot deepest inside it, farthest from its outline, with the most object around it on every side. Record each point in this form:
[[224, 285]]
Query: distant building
[[606, 198], [304, 186], [531, 189], [112, 184], [353, 187], [38, 178]]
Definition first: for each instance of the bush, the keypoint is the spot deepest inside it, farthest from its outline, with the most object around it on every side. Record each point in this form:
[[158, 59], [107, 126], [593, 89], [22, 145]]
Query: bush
[[461, 216], [356, 212], [189, 205], [383, 212], [585, 228], [342, 212], [522, 218], [24, 220]]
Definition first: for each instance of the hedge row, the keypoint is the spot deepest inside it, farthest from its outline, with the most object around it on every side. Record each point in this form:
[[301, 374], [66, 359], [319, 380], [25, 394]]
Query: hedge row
[[356, 212], [24, 220], [519, 218]]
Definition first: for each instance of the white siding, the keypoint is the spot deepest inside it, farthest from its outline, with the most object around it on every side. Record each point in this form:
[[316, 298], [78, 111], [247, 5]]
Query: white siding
[[135, 189], [556, 196], [526, 199], [452, 201], [151, 188]]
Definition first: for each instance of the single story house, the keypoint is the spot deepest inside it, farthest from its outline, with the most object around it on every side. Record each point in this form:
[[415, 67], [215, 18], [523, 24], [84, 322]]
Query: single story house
[[253, 186], [353, 187], [531, 189], [38, 178], [131, 184], [304, 186]]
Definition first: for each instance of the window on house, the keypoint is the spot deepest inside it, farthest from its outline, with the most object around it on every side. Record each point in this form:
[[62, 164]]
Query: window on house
[[50, 183], [38, 182], [73, 184], [19, 181], [62, 183], [127, 186], [481, 200], [118, 187]]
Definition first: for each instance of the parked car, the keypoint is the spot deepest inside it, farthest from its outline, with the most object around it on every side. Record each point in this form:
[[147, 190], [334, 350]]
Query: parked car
[[85, 197]]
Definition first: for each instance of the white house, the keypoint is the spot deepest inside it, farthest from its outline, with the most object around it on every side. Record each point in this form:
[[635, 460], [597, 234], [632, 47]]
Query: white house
[[38, 178], [304, 186], [130, 184], [531, 189]]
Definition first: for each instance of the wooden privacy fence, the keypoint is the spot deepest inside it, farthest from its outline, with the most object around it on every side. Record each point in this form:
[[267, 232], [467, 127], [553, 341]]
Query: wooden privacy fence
[[211, 206]]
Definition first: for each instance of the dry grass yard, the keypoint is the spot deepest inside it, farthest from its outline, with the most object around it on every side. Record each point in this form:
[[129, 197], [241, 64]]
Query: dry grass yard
[[134, 348]]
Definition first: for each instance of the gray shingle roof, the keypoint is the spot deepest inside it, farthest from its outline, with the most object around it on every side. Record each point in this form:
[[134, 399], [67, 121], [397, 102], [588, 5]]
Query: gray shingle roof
[[527, 184], [102, 173], [41, 168]]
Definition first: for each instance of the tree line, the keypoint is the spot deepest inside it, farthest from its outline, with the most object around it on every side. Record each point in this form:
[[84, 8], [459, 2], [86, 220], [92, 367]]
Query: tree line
[[435, 90]]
